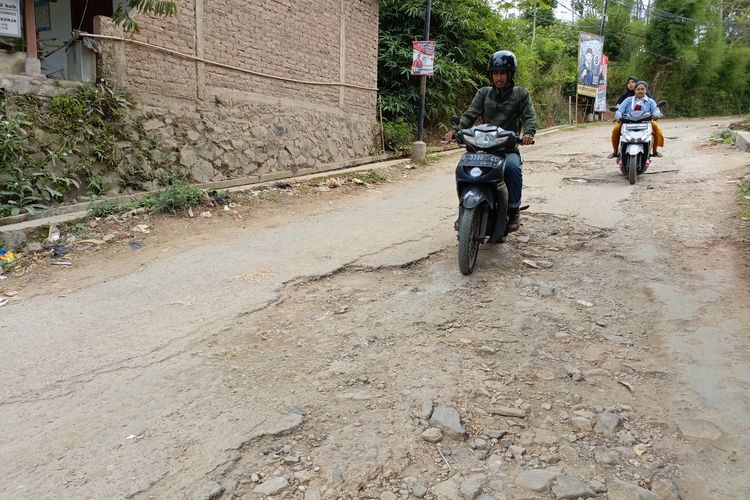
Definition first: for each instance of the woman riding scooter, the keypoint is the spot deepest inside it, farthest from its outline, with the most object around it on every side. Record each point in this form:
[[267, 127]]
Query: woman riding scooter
[[658, 141]]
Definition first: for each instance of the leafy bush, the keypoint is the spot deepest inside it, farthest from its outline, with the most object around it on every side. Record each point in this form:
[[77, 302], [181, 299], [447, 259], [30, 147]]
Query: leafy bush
[[398, 135], [53, 149], [108, 207], [373, 177], [176, 198]]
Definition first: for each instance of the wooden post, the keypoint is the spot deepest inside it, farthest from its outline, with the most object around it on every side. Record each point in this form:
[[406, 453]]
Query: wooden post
[[33, 65], [570, 110]]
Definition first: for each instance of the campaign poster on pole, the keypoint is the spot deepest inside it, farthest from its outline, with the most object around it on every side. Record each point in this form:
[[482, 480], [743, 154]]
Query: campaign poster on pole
[[10, 18], [589, 59], [423, 58], [600, 105]]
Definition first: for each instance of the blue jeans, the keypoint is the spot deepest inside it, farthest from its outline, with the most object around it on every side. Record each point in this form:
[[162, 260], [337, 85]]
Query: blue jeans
[[513, 179]]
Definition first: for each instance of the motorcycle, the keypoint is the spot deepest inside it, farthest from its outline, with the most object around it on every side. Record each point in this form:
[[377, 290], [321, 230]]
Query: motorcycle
[[482, 193], [634, 155]]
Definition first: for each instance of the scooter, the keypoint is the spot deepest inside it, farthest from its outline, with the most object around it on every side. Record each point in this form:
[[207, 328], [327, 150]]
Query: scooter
[[634, 155], [482, 193]]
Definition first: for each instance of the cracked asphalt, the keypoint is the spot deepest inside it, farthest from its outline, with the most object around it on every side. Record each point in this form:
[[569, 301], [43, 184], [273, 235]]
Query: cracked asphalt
[[150, 374]]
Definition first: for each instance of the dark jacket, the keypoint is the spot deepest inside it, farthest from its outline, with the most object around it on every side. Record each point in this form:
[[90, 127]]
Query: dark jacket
[[510, 109]]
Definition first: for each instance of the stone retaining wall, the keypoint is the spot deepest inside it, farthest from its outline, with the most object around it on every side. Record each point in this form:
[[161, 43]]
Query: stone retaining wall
[[227, 123]]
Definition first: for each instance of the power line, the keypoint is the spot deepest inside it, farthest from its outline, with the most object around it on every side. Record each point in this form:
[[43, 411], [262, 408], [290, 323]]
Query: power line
[[587, 23], [670, 16]]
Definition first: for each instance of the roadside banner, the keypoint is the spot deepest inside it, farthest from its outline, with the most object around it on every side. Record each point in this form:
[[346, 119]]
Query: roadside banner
[[600, 105], [589, 59], [423, 58]]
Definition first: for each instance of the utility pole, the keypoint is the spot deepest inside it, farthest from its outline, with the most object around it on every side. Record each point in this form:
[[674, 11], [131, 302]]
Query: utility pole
[[604, 18], [419, 148], [533, 29]]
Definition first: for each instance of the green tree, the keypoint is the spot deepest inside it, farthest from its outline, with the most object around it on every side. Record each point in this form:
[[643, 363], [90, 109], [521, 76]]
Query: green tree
[[467, 32], [122, 15]]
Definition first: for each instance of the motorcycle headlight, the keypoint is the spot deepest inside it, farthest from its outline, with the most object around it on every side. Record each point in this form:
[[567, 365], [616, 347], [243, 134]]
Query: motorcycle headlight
[[483, 139], [475, 172]]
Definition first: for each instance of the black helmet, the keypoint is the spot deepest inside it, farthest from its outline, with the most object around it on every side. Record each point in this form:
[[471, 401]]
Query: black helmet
[[503, 60]]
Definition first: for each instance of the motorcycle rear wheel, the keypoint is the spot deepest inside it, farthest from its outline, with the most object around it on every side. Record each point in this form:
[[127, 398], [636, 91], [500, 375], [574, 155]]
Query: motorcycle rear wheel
[[468, 239]]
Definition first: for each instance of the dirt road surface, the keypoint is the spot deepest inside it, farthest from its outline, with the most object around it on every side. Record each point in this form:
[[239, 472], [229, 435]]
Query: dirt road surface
[[325, 344]]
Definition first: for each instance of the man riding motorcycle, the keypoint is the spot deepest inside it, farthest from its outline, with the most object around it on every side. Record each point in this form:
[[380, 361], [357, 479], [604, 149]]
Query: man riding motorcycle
[[505, 104]]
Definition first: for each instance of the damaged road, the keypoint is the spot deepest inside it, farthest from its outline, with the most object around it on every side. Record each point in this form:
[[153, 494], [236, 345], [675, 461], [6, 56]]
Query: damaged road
[[331, 348]]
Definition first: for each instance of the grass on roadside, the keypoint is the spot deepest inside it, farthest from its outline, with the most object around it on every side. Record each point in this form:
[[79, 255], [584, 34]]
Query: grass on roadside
[[176, 198], [745, 195], [723, 136], [372, 177]]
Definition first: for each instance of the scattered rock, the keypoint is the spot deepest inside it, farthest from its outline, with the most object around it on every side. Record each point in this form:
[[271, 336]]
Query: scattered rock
[[516, 451], [597, 486], [388, 495], [536, 479], [507, 412], [581, 423], [567, 487], [447, 490], [33, 247], [313, 493], [545, 437], [607, 423], [597, 372], [568, 453], [449, 420], [666, 489], [432, 435], [153, 124], [621, 490], [546, 374], [471, 488], [700, 429], [494, 434], [419, 490], [304, 476], [604, 455], [272, 486], [338, 475], [478, 444], [209, 491], [426, 411]]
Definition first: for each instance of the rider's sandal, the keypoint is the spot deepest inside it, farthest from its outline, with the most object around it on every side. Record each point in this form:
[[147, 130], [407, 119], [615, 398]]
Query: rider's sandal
[[612, 155], [657, 154]]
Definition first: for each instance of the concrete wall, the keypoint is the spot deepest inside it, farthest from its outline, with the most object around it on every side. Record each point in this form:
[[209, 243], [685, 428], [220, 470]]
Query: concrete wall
[[227, 123]]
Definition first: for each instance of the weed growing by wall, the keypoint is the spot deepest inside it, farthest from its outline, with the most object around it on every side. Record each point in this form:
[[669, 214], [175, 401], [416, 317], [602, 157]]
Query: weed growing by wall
[[90, 143]]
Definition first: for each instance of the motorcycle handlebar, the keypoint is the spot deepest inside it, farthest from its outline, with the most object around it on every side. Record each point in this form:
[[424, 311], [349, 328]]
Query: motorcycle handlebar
[[458, 137]]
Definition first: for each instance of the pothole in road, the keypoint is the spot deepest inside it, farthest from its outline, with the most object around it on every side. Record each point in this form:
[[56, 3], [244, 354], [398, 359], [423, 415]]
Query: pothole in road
[[529, 360]]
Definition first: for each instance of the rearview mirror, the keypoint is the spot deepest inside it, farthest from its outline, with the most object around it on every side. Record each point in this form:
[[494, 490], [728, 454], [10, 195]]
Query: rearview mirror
[[661, 104], [455, 120], [613, 108]]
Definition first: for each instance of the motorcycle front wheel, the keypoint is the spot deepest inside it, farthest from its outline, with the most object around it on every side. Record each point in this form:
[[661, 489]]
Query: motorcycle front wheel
[[633, 161], [469, 227]]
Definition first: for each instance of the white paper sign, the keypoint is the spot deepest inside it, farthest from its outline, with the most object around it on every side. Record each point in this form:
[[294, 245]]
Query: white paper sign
[[10, 18]]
